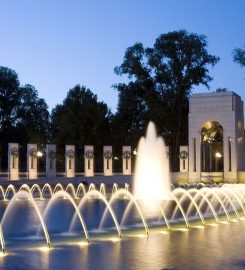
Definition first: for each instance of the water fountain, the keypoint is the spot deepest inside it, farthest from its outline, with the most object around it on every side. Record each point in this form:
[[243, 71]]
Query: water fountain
[[151, 179], [205, 205], [182, 208]]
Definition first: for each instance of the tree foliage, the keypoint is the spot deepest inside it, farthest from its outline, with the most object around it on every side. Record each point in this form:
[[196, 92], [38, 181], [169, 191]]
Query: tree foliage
[[33, 116], [9, 101], [24, 117], [160, 81], [239, 56], [81, 119]]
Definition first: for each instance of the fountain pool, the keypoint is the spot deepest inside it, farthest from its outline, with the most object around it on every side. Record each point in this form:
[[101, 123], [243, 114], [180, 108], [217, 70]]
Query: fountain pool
[[150, 225]]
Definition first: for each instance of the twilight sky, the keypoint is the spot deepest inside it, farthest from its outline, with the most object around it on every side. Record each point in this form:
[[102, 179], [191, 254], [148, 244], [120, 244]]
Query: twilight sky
[[55, 44]]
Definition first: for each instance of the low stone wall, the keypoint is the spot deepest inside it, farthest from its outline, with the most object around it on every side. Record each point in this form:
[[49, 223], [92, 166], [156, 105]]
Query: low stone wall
[[107, 180], [179, 177], [241, 177], [175, 178]]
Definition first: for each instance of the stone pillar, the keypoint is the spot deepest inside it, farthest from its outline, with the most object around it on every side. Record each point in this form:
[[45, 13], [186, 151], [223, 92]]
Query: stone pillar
[[194, 157], [70, 160], [183, 158], [107, 157], [32, 161], [127, 157], [88, 160], [230, 157], [50, 160], [13, 161]]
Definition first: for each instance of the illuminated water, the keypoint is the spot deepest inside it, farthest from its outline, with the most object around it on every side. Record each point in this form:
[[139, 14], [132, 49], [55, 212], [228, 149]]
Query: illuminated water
[[151, 178], [108, 227], [218, 247]]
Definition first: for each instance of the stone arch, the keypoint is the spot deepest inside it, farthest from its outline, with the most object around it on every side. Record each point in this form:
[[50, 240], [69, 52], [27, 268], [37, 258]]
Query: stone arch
[[225, 108], [212, 146]]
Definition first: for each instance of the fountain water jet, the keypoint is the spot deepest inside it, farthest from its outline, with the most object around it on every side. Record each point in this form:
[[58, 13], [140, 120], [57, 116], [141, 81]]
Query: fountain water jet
[[26, 188], [187, 194], [114, 188], [80, 187], [102, 189], [48, 187], [34, 188], [151, 179], [100, 196], [210, 191], [91, 187], [126, 193], [27, 195], [58, 187], [73, 192], [198, 193], [3, 193], [9, 188], [64, 194]]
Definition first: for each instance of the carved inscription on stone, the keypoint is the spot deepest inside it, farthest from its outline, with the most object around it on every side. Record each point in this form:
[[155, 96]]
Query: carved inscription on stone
[[214, 108]]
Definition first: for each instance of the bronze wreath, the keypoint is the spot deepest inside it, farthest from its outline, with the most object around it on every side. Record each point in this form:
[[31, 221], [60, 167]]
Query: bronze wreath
[[33, 153], [89, 154], [14, 152], [52, 154], [127, 154], [70, 154], [183, 154], [108, 155]]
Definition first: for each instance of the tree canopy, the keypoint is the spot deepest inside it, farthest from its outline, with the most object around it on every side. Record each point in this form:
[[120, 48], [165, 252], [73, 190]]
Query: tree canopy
[[81, 119], [23, 114], [160, 81], [33, 116], [239, 56], [9, 101]]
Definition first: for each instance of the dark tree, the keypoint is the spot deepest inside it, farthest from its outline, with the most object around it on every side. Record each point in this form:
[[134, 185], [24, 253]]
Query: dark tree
[[9, 102], [24, 117], [33, 124], [129, 121], [161, 80], [239, 56], [81, 119]]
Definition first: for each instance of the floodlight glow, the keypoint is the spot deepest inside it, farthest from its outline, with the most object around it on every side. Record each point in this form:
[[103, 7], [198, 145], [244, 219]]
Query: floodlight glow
[[39, 154], [218, 155]]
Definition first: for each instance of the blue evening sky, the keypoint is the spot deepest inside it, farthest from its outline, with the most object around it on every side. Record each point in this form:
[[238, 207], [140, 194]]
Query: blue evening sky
[[55, 44]]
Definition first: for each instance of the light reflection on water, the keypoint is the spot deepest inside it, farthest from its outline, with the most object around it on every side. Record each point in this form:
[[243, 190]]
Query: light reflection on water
[[215, 247]]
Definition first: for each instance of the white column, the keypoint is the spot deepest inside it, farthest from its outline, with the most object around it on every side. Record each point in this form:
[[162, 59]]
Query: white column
[[50, 160], [70, 160], [13, 161], [127, 157], [183, 158], [32, 161], [88, 160], [107, 157]]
